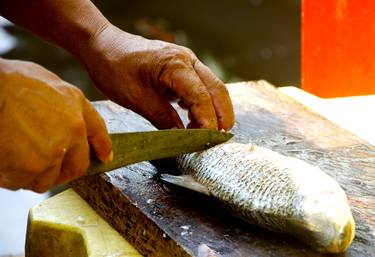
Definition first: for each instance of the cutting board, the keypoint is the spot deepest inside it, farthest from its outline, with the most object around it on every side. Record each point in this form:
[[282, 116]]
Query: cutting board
[[163, 220]]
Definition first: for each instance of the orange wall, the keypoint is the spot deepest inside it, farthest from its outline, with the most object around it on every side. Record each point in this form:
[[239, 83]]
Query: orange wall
[[338, 47]]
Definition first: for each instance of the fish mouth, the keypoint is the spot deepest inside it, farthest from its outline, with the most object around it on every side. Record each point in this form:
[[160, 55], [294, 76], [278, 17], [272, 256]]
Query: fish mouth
[[342, 241], [321, 238], [346, 237]]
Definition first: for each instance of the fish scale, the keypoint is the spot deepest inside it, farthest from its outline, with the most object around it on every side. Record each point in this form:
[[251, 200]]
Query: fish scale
[[221, 184], [277, 192]]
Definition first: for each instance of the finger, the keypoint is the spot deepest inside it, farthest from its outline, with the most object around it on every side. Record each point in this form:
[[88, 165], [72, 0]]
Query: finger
[[219, 95], [170, 95], [13, 180], [23, 171], [158, 110], [183, 105], [97, 133], [45, 180], [192, 122], [75, 163], [188, 86]]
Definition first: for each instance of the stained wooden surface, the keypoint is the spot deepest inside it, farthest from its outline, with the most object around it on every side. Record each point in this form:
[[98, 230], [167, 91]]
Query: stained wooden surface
[[162, 220]]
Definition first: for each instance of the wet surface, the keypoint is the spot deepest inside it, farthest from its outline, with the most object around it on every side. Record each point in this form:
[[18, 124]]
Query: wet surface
[[162, 219]]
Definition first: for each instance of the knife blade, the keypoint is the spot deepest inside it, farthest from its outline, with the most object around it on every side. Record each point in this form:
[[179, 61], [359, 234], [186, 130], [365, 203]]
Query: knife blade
[[133, 147]]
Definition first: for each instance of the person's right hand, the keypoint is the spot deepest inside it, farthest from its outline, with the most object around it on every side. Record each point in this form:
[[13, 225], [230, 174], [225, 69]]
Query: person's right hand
[[46, 127]]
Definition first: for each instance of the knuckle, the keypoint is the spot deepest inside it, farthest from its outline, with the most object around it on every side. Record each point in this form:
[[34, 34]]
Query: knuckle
[[78, 128], [57, 151], [177, 57], [79, 95], [179, 50], [189, 52], [218, 84], [75, 90], [202, 96], [71, 90], [174, 61]]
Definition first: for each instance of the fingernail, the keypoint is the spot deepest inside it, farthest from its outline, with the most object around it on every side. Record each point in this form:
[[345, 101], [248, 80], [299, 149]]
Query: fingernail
[[110, 157]]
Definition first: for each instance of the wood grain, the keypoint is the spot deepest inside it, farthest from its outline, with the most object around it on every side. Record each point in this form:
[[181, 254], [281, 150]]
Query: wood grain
[[167, 221]]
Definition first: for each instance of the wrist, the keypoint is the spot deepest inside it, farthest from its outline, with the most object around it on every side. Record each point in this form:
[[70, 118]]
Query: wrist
[[106, 43], [84, 38], [108, 46]]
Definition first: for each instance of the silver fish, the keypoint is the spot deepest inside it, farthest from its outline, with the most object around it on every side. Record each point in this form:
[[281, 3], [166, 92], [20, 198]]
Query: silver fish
[[277, 192]]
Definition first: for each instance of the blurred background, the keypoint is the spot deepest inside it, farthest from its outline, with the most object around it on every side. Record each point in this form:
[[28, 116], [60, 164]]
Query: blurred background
[[239, 40]]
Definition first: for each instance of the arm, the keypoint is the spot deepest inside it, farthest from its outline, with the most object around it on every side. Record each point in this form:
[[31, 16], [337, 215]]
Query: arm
[[142, 75], [70, 24]]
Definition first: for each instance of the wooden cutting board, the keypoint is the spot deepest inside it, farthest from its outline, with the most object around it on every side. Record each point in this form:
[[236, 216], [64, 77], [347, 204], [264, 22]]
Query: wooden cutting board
[[162, 220]]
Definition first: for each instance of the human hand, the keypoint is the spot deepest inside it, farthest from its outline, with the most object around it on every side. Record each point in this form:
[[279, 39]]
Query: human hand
[[146, 75], [46, 127]]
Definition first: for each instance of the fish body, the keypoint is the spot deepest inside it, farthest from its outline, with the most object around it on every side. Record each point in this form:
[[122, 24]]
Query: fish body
[[277, 192]]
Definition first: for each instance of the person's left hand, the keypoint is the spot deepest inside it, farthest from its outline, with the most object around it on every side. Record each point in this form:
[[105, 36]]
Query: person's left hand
[[146, 75]]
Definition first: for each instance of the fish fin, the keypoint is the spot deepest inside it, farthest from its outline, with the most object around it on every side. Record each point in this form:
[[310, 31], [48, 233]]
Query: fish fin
[[186, 181]]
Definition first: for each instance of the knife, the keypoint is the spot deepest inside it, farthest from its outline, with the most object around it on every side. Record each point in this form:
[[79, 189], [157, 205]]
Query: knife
[[133, 147]]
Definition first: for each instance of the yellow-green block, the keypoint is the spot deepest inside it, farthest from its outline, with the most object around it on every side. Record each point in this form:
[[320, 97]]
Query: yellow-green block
[[66, 226]]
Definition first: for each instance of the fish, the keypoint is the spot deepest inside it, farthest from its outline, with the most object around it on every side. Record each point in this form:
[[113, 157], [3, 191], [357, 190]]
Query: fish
[[277, 192]]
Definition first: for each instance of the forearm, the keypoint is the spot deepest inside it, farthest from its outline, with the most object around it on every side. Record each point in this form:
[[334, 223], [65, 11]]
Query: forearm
[[70, 24], [142, 75]]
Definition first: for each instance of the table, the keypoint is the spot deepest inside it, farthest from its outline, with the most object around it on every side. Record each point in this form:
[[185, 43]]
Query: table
[[299, 95]]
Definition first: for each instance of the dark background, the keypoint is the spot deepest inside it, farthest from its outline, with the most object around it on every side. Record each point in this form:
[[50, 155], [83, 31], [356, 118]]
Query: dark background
[[240, 40]]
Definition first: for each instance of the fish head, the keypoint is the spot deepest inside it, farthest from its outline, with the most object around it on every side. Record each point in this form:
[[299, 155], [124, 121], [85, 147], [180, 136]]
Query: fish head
[[325, 220], [329, 232]]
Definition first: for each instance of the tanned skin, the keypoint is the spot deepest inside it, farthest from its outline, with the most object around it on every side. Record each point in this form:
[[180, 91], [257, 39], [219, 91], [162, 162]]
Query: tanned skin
[[47, 125]]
